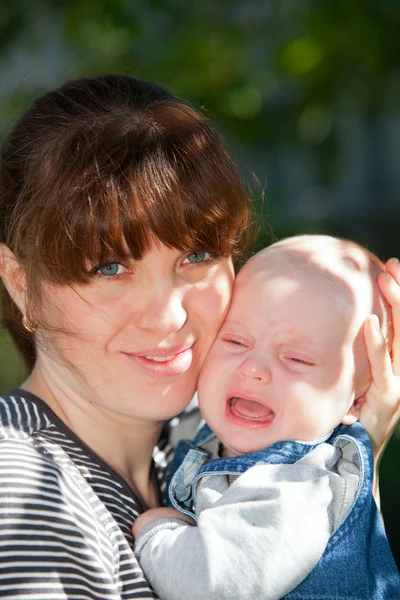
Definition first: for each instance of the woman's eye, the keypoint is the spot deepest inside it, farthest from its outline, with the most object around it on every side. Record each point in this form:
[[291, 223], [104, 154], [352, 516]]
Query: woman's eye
[[110, 269], [199, 257]]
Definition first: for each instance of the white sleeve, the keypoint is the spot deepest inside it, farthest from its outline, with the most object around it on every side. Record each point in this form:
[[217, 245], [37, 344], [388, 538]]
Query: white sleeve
[[258, 541]]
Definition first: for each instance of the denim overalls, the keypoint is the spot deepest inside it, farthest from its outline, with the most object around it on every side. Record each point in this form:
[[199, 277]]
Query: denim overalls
[[357, 563]]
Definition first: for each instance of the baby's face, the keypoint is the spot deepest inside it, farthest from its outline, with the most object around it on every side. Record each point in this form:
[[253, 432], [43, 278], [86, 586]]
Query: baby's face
[[283, 364]]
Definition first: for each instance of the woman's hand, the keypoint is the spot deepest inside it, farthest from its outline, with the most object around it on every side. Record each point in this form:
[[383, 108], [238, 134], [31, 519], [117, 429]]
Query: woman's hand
[[156, 513], [381, 409]]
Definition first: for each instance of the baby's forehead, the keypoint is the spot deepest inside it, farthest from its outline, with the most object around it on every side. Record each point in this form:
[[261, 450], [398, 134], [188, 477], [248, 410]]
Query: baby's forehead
[[340, 269], [329, 259]]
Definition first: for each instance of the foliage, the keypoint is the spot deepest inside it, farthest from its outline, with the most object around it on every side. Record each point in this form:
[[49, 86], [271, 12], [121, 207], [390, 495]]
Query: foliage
[[245, 61]]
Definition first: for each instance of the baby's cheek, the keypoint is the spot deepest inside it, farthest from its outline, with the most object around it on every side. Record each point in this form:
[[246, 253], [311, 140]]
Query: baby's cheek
[[310, 422]]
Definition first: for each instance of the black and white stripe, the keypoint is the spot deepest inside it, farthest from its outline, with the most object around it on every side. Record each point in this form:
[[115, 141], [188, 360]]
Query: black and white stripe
[[65, 517]]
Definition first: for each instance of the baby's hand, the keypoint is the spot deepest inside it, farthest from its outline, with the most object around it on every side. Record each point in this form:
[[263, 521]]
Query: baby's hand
[[381, 411], [156, 513]]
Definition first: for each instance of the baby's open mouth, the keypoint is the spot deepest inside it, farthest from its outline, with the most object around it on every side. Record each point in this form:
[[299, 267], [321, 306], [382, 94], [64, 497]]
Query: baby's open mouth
[[250, 409]]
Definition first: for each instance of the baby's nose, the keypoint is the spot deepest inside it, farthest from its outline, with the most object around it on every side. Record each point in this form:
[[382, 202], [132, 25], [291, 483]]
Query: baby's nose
[[255, 368]]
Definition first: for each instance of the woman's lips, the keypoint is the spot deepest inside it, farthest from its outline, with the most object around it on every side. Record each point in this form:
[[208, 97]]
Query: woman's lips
[[164, 363], [248, 413]]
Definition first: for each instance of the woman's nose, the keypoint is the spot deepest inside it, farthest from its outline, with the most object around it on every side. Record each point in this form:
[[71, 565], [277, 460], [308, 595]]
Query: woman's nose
[[255, 368], [163, 311]]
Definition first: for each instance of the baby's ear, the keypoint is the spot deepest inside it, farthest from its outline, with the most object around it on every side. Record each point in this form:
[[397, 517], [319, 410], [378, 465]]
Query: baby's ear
[[353, 414]]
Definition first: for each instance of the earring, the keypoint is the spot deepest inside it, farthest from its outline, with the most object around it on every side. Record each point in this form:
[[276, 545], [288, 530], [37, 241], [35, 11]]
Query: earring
[[28, 325]]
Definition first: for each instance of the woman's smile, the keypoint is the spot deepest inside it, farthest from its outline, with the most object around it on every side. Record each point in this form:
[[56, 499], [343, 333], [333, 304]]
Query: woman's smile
[[164, 362]]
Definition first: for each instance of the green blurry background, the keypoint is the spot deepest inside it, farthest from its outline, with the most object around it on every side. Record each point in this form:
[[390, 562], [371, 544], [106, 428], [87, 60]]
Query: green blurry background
[[305, 92]]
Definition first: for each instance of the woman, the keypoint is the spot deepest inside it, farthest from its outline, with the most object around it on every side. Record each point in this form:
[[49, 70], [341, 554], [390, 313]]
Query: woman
[[121, 212]]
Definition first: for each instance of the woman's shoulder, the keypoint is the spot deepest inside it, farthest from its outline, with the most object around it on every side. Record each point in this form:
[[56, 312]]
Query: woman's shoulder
[[57, 535], [55, 495], [39, 481], [21, 415], [33, 453], [27, 456], [35, 442]]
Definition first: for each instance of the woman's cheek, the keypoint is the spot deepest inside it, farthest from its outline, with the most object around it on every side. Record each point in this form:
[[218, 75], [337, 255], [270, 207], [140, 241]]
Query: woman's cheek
[[222, 292], [71, 318]]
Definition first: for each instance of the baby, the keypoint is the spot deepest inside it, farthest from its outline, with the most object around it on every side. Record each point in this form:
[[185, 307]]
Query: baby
[[279, 480]]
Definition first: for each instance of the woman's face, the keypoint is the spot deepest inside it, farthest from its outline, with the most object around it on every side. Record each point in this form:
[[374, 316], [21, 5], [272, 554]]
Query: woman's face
[[133, 340]]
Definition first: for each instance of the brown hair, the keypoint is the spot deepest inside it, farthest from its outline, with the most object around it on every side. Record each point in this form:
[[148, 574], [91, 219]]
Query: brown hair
[[103, 165]]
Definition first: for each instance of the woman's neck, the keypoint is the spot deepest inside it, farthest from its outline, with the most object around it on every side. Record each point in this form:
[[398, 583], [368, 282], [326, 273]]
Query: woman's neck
[[124, 443]]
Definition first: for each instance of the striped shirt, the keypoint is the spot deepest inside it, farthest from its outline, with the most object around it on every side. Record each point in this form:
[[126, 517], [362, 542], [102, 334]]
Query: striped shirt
[[65, 516]]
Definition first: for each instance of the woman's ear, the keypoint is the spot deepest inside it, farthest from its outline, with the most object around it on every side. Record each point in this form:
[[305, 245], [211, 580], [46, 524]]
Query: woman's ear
[[13, 276], [353, 414]]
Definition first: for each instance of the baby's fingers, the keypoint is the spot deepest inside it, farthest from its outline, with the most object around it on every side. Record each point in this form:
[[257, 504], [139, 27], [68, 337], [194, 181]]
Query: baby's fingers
[[379, 359], [389, 283], [380, 411], [393, 267]]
